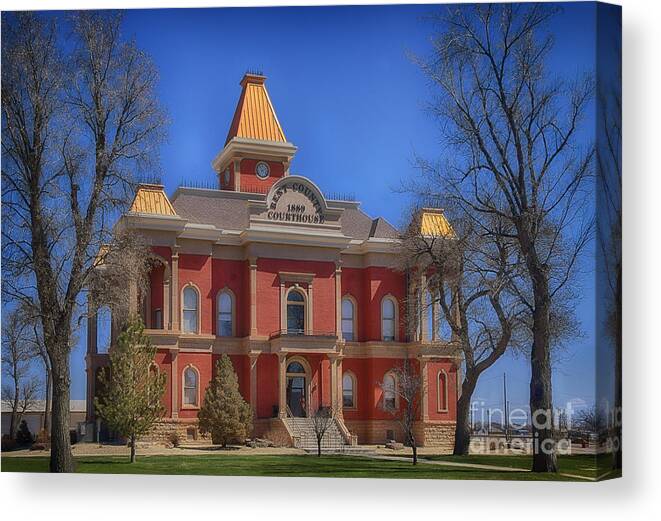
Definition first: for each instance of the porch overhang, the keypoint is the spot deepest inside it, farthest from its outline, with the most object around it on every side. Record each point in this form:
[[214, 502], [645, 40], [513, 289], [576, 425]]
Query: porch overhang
[[285, 342]]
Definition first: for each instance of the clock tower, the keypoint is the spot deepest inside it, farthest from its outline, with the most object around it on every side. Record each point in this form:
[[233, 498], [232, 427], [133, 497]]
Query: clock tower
[[256, 153]]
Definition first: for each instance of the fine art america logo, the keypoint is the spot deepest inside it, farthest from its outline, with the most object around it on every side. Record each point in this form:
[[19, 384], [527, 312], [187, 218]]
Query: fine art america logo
[[296, 202]]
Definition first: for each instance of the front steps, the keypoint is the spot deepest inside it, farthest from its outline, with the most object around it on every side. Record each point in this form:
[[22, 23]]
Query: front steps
[[302, 430]]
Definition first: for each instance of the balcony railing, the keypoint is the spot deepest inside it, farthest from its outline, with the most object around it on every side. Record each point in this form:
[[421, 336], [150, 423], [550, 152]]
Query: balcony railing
[[301, 333]]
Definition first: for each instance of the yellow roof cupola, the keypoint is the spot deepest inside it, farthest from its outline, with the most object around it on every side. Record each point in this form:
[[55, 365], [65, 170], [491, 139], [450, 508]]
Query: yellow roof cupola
[[255, 116], [255, 138], [151, 199], [433, 223]]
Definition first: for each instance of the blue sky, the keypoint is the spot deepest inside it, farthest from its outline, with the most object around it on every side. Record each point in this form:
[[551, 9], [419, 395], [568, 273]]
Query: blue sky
[[349, 97]]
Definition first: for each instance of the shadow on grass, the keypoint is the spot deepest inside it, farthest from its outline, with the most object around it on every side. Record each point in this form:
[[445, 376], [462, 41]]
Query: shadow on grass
[[210, 448]]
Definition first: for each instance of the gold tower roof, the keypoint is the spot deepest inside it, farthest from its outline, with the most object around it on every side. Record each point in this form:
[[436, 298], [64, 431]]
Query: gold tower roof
[[433, 223], [152, 199], [255, 117]]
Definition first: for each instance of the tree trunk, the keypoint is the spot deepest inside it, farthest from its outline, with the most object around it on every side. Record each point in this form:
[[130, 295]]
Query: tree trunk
[[318, 448], [541, 396], [133, 449], [49, 391], [61, 459], [414, 448], [13, 421], [617, 416], [462, 434]]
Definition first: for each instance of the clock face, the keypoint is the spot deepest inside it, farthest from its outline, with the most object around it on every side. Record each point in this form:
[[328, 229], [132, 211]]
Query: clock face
[[262, 170]]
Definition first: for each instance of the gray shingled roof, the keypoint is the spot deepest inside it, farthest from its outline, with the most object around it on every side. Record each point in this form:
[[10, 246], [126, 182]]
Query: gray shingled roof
[[383, 229], [231, 213], [225, 213]]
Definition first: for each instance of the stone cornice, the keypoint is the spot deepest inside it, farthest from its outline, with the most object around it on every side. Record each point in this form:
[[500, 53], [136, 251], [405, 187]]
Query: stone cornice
[[242, 147], [174, 340]]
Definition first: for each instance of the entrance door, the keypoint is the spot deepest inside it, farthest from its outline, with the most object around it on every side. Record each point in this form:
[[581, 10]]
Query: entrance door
[[296, 396]]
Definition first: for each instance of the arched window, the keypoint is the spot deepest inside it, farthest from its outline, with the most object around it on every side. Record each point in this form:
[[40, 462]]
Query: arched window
[[431, 315], [443, 328], [157, 319], [190, 310], [348, 319], [348, 391], [191, 387], [389, 392], [442, 391], [296, 367], [388, 319], [225, 324], [103, 329], [295, 313]]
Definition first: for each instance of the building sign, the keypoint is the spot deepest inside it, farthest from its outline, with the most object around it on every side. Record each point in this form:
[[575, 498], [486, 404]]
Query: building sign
[[296, 202]]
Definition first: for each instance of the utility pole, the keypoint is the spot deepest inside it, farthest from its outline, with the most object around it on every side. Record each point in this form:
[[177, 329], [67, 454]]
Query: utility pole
[[505, 406]]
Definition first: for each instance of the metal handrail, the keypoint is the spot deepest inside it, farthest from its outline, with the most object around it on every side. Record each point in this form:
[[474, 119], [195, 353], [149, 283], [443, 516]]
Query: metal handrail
[[301, 332]]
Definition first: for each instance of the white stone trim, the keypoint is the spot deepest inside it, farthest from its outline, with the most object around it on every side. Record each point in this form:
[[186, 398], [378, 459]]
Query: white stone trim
[[232, 295], [257, 148], [388, 373], [395, 302], [199, 308], [308, 380], [354, 303], [185, 405], [444, 374], [354, 388]]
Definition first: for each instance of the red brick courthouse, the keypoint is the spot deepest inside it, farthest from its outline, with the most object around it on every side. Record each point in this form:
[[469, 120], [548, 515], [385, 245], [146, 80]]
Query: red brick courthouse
[[299, 290]]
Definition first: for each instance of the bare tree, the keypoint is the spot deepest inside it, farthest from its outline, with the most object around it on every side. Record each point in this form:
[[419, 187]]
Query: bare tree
[[74, 129], [322, 420], [34, 337], [517, 155], [408, 389], [472, 278], [591, 420], [40, 349], [20, 389]]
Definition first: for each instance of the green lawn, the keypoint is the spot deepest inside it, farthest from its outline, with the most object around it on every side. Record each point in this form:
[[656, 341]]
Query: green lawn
[[288, 466]]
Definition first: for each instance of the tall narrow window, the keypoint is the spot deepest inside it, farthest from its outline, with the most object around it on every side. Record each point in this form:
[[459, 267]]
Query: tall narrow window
[[225, 326], [103, 329], [444, 330], [190, 310], [348, 391], [442, 391], [388, 319], [431, 316], [348, 319], [295, 313], [389, 394], [158, 319], [190, 387]]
